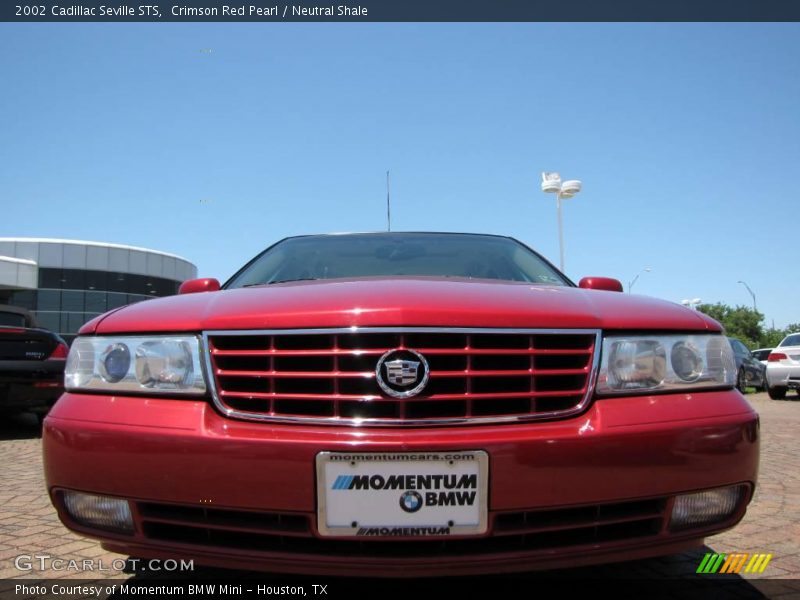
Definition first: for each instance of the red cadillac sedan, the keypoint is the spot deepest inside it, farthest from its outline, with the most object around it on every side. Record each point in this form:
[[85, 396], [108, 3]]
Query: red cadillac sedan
[[401, 404]]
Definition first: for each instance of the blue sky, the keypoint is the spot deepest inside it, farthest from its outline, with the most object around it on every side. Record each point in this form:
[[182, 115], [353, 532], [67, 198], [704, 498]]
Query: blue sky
[[214, 140]]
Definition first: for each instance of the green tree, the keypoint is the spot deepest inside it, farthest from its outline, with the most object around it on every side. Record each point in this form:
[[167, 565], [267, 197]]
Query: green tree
[[791, 328], [739, 322], [771, 338]]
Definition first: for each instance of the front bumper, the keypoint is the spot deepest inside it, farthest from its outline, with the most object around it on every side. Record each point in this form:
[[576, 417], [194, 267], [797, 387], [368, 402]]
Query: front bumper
[[181, 464]]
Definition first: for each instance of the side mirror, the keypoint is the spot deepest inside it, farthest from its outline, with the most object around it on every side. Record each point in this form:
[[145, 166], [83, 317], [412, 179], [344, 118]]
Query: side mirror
[[600, 283], [192, 286]]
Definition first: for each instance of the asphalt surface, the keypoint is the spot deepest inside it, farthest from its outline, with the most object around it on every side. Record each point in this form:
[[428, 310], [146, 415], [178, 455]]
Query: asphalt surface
[[29, 526]]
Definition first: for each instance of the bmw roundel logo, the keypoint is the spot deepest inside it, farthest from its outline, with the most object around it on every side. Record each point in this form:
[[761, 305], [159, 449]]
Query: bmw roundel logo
[[402, 373], [411, 501]]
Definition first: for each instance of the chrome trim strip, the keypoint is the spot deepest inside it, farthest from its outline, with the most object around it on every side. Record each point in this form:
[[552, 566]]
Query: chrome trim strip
[[435, 422]]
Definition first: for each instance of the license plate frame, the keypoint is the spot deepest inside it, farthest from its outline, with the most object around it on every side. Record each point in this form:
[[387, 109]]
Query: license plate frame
[[377, 512]]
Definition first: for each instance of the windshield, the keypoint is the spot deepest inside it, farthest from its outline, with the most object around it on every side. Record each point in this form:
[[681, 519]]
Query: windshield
[[397, 254], [11, 319], [792, 340]]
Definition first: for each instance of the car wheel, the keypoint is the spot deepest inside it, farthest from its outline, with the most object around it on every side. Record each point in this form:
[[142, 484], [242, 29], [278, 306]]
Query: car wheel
[[741, 381], [777, 393]]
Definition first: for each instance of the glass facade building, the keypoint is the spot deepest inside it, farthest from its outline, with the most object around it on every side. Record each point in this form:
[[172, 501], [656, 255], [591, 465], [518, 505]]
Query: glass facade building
[[67, 282]]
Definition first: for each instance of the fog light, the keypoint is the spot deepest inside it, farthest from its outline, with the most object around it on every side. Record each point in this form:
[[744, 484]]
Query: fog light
[[706, 508], [99, 511]]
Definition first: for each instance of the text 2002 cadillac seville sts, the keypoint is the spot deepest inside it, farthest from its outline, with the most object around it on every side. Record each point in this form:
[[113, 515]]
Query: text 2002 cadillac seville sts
[[399, 404]]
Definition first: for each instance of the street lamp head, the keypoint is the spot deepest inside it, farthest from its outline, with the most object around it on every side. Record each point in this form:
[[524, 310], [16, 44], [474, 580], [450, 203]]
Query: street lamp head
[[570, 188], [551, 183]]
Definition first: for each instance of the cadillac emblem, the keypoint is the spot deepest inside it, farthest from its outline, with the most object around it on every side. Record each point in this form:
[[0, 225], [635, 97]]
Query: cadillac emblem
[[402, 373]]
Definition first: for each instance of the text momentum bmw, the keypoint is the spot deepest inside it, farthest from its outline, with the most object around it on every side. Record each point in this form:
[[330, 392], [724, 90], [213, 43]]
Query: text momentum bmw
[[401, 404]]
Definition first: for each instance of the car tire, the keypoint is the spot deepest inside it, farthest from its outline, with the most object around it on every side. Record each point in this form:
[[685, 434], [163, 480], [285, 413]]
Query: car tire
[[741, 380], [777, 393]]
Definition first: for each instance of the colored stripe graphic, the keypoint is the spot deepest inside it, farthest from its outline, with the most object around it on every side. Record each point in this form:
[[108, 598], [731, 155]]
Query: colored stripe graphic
[[342, 482], [758, 563], [765, 563], [701, 568], [733, 563], [716, 563], [711, 563], [741, 563], [729, 562]]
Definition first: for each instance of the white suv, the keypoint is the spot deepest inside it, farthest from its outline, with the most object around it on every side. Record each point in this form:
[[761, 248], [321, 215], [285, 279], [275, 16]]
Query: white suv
[[783, 367]]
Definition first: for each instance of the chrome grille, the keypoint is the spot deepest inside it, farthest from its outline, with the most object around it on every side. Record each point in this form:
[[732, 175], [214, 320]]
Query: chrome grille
[[328, 376]]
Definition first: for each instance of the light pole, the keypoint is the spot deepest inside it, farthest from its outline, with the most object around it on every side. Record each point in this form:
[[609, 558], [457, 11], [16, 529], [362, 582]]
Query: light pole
[[552, 184], [751, 293], [635, 279], [691, 303]]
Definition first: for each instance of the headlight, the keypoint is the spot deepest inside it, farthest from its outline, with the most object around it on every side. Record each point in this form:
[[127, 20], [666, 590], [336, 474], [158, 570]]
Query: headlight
[[635, 364], [154, 364]]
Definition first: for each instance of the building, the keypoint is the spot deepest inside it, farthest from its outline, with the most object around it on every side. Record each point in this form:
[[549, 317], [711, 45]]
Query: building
[[67, 282]]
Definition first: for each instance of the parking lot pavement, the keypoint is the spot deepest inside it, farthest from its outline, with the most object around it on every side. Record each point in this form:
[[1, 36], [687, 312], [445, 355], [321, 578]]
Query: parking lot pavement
[[29, 526], [28, 523]]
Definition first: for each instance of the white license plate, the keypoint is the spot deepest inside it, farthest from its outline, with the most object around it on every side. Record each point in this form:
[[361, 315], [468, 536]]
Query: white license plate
[[417, 494]]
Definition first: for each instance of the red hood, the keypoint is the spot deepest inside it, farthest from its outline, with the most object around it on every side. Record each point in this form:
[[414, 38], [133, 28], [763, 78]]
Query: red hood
[[401, 302]]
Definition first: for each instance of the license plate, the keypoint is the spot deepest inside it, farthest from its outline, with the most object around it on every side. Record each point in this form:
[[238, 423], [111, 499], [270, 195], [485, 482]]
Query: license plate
[[421, 494]]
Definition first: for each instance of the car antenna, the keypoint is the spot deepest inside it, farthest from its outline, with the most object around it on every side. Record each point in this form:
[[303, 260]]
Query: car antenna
[[388, 205]]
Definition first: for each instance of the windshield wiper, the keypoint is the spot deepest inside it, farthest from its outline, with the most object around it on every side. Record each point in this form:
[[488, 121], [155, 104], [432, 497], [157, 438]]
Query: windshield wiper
[[247, 285]]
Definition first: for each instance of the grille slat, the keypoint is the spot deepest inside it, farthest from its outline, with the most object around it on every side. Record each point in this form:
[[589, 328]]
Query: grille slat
[[302, 374], [506, 373], [476, 376]]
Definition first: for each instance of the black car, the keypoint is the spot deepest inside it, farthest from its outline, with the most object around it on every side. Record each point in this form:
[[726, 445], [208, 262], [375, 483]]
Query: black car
[[32, 363], [762, 354], [750, 372]]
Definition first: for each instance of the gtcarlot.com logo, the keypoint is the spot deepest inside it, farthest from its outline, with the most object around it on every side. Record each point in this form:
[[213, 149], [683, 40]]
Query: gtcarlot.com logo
[[45, 562]]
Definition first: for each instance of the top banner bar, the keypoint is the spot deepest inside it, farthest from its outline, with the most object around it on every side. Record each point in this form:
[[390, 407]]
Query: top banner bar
[[262, 11]]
